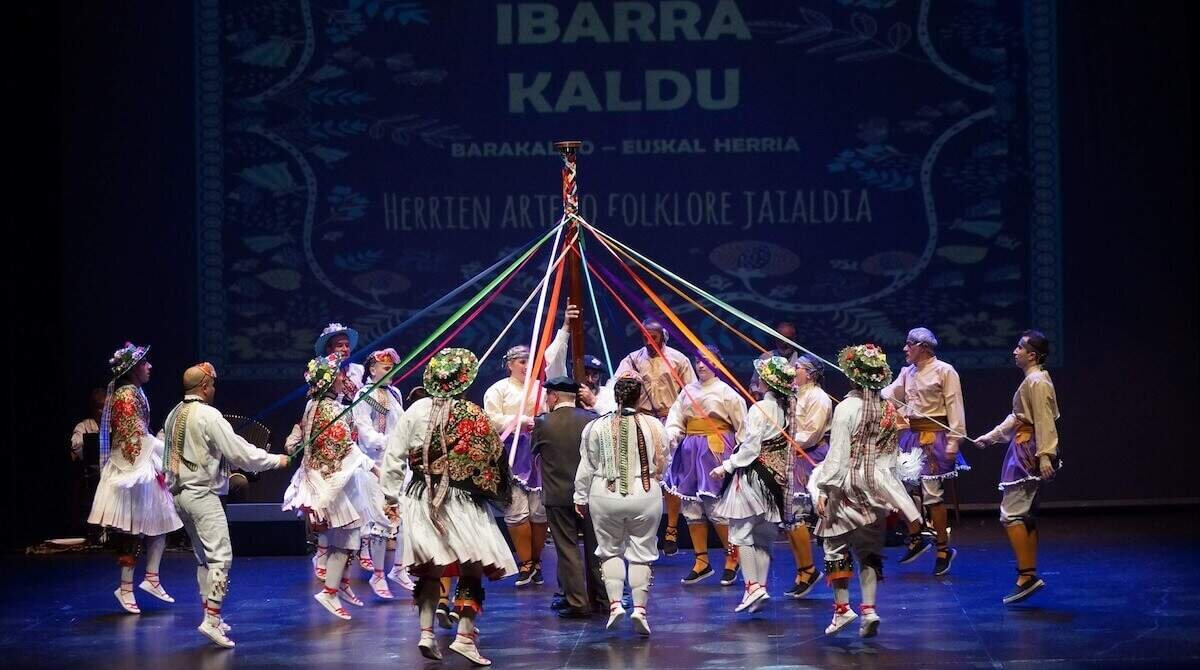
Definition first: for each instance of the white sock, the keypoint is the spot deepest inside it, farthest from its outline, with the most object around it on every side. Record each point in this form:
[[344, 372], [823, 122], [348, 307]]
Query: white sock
[[378, 548], [613, 570], [154, 551], [841, 595], [869, 580], [126, 574], [749, 557], [322, 556], [202, 581], [427, 601], [335, 567], [764, 564], [466, 622], [639, 583]]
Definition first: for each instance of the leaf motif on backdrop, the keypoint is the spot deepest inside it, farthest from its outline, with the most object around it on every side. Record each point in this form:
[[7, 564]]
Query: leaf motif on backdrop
[[274, 177], [962, 254], [358, 261], [283, 280], [868, 323], [274, 53]]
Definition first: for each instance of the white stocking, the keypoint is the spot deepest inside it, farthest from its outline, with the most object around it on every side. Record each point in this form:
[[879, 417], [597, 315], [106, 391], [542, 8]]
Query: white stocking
[[154, 551], [869, 580], [749, 557], [335, 567], [763, 569], [202, 581], [322, 550], [428, 593], [126, 574], [378, 548], [639, 583], [614, 578]]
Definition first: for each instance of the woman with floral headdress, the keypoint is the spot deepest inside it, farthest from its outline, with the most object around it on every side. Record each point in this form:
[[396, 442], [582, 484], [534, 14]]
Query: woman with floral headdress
[[809, 427], [857, 486], [705, 423], [326, 485], [132, 500], [376, 415], [1032, 458], [458, 466], [758, 495]]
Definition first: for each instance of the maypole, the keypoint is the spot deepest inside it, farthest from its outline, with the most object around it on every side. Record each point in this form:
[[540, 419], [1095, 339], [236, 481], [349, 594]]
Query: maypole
[[570, 197]]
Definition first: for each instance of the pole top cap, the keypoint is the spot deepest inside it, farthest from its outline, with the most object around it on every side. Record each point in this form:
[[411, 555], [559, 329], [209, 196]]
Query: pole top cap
[[568, 145]]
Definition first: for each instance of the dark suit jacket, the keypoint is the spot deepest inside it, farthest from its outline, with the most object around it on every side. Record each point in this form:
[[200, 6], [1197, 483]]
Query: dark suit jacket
[[556, 436]]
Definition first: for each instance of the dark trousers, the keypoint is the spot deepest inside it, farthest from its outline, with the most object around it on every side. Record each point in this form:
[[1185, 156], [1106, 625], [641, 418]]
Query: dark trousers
[[581, 585]]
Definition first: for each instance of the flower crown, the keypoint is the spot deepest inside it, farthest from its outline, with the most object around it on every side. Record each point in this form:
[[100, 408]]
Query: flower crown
[[321, 373], [777, 373], [126, 357], [866, 365], [450, 372]]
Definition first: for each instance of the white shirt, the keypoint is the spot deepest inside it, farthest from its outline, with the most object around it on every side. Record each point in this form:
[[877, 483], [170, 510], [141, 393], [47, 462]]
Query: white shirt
[[370, 439], [85, 427], [596, 439], [764, 421], [502, 403], [210, 443]]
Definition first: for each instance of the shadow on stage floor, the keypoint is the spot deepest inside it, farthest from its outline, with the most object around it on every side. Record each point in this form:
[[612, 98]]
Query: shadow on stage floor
[[1123, 590]]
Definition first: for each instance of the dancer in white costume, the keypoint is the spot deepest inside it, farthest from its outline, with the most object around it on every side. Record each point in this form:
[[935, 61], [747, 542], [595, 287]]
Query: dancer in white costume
[[132, 500], [376, 416], [200, 447], [617, 483], [758, 497], [326, 485], [814, 409], [458, 466], [857, 486]]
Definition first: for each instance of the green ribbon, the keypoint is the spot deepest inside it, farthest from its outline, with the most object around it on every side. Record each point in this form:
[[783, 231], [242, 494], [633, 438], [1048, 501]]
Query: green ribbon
[[437, 332]]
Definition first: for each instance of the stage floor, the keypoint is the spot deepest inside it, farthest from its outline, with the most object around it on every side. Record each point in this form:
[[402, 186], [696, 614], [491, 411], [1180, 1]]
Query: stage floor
[[1123, 590]]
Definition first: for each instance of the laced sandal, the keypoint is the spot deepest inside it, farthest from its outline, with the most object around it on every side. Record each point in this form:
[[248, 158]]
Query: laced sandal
[[804, 584], [125, 597], [695, 575], [464, 645], [640, 623], [348, 594], [524, 573], [671, 541], [616, 612], [329, 600], [428, 645], [1023, 590], [869, 624], [152, 586]]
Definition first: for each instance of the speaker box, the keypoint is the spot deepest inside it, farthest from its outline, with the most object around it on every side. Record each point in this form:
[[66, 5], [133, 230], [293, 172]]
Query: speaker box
[[262, 529]]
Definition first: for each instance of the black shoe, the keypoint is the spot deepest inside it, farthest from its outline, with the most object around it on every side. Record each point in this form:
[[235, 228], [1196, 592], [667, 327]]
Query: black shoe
[[558, 603], [917, 545], [806, 584], [443, 615], [536, 576], [729, 576], [525, 573], [693, 577], [671, 542], [1023, 591], [572, 613], [943, 562]]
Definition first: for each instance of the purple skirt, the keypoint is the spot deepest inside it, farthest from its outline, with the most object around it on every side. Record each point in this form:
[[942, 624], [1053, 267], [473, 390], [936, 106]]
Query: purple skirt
[[527, 468], [802, 469], [688, 477], [938, 464], [1021, 464]]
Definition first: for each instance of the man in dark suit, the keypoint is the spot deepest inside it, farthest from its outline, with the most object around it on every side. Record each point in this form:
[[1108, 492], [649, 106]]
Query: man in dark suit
[[557, 435]]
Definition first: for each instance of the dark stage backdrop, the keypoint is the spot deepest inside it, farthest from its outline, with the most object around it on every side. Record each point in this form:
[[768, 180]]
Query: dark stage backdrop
[[233, 177]]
